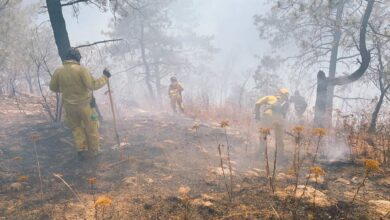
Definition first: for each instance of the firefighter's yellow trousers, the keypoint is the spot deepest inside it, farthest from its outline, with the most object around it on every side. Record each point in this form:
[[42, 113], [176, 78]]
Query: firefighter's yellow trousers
[[177, 101], [83, 122]]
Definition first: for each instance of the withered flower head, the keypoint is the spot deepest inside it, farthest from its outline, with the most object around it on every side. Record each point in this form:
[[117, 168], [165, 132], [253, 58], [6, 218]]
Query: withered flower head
[[371, 165], [317, 171], [298, 129], [195, 126], [224, 124], [23, 179], [265, 131], [103, 201], [92, 180], [320, 132], [17, 158], [35, 136]]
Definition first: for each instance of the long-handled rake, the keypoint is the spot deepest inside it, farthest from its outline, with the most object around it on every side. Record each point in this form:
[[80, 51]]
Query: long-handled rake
[[113, 112]]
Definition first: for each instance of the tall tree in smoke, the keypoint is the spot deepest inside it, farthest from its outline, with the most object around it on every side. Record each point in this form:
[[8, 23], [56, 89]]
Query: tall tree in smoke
[[331, 82], [324, 34], [156, 44]]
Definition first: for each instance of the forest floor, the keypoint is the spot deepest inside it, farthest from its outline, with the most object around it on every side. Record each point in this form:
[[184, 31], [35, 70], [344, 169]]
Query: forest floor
[[165, 170]]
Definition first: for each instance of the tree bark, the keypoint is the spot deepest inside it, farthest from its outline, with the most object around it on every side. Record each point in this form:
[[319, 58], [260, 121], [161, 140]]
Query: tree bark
[[374, 117], [343, 80], [320, 106], [59, 27], [333, 62], [382, 87], [146, 64], [157, 83]]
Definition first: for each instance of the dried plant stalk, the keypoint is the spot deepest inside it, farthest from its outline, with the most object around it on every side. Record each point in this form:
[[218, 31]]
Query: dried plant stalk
[[229, 164], [59, 176], [223, 171], [34, 138]]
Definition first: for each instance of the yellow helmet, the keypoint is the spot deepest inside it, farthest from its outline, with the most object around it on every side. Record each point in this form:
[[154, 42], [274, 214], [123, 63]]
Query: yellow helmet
[[284, 91]]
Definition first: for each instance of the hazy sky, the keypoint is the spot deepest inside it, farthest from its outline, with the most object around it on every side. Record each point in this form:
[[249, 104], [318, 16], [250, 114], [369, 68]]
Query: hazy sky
[[230, 21]]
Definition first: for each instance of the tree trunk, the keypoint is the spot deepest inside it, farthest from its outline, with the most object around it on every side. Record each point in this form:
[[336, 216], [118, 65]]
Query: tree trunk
[[324, 83], [333, 63], [61, 38], [374, 117], [158, 83], [59, 27], [320, 106], [146, 64], [30, 84]]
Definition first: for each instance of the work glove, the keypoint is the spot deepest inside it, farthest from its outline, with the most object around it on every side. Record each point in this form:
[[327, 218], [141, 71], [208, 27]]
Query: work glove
[[107, 73]]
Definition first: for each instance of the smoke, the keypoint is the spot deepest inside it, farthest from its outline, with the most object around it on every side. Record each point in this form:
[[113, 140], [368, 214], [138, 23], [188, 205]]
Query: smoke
[[337, 150]]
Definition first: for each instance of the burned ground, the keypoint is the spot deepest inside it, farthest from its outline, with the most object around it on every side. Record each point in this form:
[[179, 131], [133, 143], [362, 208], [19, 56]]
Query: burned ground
[[164, 170]]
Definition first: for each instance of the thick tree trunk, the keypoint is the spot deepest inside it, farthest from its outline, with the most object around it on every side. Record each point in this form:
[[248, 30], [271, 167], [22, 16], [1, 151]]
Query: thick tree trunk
[[59, 27], [333, 63], [61, 38], [374, 117], [148, 77], [320, 106]]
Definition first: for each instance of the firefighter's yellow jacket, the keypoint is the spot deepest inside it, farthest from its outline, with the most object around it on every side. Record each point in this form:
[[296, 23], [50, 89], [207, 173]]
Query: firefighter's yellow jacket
[[75, 82], [267, 101], [175, 90]]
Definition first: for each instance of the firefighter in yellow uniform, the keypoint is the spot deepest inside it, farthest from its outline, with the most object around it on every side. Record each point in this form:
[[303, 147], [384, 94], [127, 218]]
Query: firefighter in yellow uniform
[[174, 92], [76, 84], [274, 109]]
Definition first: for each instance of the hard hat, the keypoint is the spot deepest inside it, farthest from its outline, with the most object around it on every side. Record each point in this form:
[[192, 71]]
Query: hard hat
[[284, 91], [73, 54]]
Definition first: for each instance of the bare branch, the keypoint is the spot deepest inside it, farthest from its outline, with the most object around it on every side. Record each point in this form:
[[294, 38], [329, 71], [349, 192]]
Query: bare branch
[[377, 33], [98, 42], [351, 98], [2, 6], [365, 54], [347, 57]]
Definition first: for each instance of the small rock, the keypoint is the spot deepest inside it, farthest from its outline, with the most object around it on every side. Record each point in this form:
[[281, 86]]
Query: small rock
[[384, 181], [349, 195], [201, 203], [355, 180], [208, 204], [184, 190], [166, 178], [16, 187], [321, 199], [312, 179], [218, 171], [169, 141], [343, 181], [149, 180], [130, 181], [251, 173], [207, 197], [381, 206], [284, 177]]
